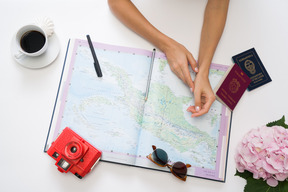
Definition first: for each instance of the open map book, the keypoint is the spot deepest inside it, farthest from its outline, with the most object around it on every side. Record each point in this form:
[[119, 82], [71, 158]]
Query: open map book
[[111, 112]]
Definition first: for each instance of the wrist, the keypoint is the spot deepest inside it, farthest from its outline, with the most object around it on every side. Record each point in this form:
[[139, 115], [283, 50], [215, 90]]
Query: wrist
[[165, 43], [203, 71]]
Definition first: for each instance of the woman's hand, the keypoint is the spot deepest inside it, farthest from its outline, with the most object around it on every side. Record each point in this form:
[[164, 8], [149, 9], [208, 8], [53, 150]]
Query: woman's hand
[[203, 95]]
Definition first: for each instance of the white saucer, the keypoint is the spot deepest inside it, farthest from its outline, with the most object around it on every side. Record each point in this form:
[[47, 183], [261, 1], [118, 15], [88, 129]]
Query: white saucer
[[40, 61]]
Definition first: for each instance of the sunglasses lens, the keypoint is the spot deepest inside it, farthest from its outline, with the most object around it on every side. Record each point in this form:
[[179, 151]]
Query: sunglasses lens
[[179, 169], [160, 157]]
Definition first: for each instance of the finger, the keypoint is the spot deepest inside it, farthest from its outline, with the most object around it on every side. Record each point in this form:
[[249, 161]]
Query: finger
[[188, 79], [180, 75], [192, 62], [177, 71], [198, 114], [194, 112], [191, 109], [205, 108], [201, 112], [198, 100]]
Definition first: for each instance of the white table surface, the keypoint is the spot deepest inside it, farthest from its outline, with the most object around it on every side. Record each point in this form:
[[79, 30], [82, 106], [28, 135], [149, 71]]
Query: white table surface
[[27, 96]]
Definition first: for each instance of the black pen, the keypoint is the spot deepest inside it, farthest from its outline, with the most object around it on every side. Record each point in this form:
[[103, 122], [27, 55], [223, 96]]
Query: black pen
[[96, 63]]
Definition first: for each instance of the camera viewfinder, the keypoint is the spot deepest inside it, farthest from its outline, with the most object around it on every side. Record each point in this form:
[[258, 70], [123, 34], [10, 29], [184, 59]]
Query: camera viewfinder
[[55, 155]]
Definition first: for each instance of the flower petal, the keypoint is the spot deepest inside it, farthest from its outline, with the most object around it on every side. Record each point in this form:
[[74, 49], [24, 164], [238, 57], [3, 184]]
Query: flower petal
[[272, 182]]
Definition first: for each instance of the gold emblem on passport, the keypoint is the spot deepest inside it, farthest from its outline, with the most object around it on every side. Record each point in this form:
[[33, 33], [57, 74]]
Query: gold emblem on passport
[[234, 85], [250, 66]]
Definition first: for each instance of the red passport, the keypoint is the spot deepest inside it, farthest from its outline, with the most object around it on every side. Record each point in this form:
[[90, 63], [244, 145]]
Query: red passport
[[233, 87]]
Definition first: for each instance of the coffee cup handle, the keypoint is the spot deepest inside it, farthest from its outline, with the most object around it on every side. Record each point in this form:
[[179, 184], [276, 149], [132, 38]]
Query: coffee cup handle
[[18, 55]]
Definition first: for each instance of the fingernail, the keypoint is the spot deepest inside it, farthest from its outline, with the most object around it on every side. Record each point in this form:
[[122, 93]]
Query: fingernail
[[191, 89], [196, 69], [197, 108]]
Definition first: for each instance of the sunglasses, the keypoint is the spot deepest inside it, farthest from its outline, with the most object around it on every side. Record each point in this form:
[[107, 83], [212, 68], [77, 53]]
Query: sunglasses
[[160, 158]]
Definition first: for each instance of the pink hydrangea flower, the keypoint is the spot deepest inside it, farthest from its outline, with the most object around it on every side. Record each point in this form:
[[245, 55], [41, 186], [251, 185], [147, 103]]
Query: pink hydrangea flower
[[264, 152]]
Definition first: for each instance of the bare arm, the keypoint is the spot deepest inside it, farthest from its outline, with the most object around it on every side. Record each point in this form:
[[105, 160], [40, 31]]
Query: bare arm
[[212, 29], [178, 56]]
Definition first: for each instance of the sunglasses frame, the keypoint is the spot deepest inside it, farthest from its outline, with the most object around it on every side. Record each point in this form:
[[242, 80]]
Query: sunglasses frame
[[167, 164]]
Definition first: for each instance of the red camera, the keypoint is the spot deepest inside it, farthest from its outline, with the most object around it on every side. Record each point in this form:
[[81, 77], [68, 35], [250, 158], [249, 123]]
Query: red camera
[[72, 153]]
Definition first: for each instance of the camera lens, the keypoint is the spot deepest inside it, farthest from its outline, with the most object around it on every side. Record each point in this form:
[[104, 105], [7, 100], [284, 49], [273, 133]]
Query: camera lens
[[73, 149]]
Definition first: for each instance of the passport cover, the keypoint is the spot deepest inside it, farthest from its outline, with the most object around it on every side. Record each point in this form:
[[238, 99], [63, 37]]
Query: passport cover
[[251, 64], [233, 87]]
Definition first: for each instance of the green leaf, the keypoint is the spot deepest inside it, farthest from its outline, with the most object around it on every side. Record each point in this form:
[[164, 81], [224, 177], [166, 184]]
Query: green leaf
[[283, 186], [259, 185], [280, 122], [244, 175]]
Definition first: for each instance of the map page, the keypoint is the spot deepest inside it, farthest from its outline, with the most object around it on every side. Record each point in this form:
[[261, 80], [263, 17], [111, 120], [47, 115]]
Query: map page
[[111, 112]]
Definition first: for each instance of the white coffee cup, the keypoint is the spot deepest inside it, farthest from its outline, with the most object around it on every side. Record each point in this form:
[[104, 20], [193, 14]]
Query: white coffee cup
[[31, 40]]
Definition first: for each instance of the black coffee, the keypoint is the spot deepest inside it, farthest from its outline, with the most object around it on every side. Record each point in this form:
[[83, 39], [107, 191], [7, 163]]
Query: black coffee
[[32, 41]]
